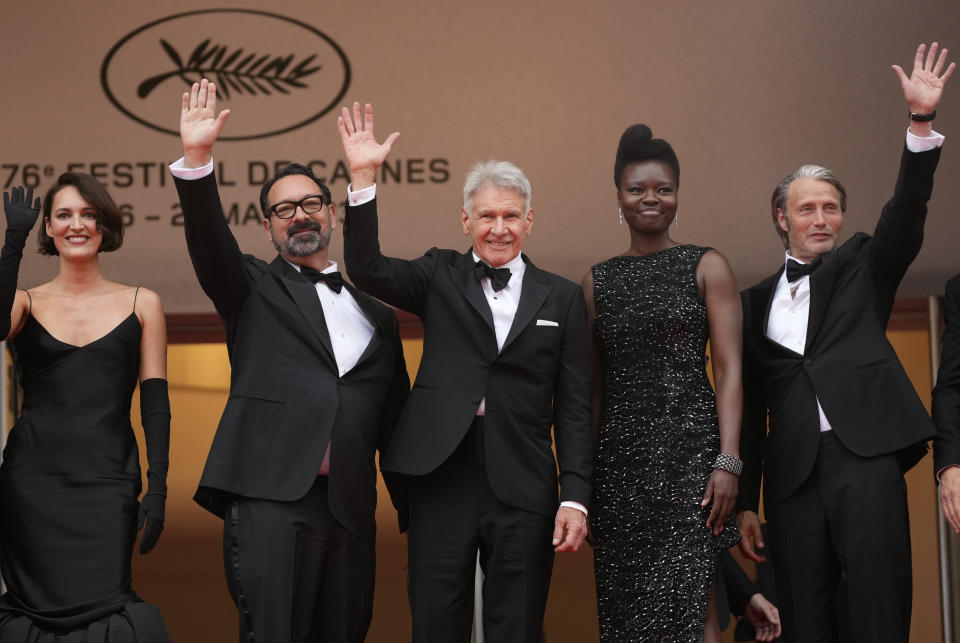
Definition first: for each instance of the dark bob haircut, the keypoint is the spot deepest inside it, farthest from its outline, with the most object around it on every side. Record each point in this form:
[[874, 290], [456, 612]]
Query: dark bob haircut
[[637, 144], [109, 218], [290, 170]]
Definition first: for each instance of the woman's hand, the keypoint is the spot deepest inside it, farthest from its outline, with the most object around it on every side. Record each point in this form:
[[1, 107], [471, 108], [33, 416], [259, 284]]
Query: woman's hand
[[722, 490], [21, 211]]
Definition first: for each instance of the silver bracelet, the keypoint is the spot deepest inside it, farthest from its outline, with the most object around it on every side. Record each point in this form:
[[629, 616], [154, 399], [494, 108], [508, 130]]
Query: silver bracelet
[[727, 462]]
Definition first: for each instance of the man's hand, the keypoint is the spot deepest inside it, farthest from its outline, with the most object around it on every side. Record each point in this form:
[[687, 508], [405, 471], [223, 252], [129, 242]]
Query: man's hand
[[364, 154], [764, 617], [751, 538], [200, 124], [722, 491], [570, 527], [950, 496], [922, 90]]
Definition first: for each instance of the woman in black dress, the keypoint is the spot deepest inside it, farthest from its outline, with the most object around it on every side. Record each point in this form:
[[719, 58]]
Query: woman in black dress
[[70, 476], [663, 493]]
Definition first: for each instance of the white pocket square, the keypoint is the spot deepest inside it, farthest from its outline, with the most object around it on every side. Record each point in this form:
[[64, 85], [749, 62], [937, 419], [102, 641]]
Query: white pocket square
[[546, 322]]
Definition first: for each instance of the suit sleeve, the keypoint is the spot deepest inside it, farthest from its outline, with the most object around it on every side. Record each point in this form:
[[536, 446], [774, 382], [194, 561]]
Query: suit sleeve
[[899, 233], [753, 426], [389, 415], [401, 283], [216, 257], [572, 412], [946, 394], [739, 586]]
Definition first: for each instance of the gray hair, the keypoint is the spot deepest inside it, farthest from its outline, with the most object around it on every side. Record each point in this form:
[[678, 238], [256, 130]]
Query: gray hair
[[501, 174], [779, 199]]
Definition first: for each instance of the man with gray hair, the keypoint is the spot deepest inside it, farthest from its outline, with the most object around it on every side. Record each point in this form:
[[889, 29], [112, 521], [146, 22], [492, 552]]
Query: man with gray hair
[[505, 356], [844, 419]]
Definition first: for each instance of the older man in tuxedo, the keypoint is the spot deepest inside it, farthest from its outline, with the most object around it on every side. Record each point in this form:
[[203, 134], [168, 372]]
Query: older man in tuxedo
[[844, 419], [317, 382], [504, 359]]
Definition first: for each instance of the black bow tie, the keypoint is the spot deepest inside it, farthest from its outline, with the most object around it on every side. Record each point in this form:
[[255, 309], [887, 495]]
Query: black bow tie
[[334, 280], [499, 277], [795, 269]]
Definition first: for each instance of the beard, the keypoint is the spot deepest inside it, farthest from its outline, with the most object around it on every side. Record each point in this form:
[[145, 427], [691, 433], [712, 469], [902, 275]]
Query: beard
[[305, 244]]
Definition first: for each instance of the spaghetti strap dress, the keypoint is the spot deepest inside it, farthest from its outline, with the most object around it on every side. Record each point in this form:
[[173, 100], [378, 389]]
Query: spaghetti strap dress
[[69, 484]]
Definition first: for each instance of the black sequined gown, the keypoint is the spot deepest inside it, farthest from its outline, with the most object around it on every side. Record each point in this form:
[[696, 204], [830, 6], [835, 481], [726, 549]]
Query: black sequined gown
[[654, 556], [68, 494]]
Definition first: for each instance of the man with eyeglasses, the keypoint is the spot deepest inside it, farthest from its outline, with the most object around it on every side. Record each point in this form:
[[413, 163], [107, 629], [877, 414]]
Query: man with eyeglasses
[[317, 383]]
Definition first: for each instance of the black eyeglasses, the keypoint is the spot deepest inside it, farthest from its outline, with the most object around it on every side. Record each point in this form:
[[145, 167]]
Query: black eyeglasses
[[310, 204]]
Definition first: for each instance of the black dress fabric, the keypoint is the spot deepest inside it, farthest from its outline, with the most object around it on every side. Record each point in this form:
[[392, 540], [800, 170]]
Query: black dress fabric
[[654, 556], [69, 484]]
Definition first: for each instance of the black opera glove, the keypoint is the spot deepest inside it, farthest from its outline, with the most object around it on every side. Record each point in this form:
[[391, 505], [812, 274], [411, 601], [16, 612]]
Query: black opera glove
[[155, 417], [21, 213]]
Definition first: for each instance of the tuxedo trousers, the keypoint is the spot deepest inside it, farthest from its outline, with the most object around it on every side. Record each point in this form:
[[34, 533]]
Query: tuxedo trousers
[[847, 524], [454, 517], [294, 573]]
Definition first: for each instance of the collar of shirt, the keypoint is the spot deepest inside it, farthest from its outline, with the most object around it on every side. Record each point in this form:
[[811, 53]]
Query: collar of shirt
[[331, 268], [515, 265]]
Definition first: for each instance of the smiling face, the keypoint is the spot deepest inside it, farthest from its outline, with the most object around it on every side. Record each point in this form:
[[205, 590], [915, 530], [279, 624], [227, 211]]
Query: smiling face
[[72, 224], [302, 234], [813, 218], [648, 197], [498, 224]]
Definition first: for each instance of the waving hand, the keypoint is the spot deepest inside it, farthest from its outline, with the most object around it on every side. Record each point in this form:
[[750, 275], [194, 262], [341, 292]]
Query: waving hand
[[364, 154], [200, 124], [922, 90]]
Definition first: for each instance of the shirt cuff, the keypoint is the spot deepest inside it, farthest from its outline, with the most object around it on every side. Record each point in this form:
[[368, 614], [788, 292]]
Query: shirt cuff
[[918, 144], [181, 171], [940, 472], [574, 505], [361, 196]]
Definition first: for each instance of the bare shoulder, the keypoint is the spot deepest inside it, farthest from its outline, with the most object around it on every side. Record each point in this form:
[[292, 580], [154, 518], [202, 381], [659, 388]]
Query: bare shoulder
[[148, 304]]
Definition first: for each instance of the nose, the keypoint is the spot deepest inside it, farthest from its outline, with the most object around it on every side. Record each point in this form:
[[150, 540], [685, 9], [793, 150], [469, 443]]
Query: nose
[[76, 223], [651, 196], [498, 225]]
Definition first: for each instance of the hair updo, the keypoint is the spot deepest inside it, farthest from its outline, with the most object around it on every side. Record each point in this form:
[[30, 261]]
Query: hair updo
[[638, 144]]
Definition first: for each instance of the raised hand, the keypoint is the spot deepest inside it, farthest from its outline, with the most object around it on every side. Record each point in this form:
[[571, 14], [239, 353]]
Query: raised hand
[[364, 154], [922, 90], [200, 124], [21, 211]]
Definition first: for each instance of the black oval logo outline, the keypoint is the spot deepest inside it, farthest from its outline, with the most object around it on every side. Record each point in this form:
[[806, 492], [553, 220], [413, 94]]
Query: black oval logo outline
[[116, 103]]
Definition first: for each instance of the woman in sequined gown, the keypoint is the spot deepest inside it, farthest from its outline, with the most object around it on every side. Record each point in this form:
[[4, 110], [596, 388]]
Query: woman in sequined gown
[[661, 512], [70, 476]]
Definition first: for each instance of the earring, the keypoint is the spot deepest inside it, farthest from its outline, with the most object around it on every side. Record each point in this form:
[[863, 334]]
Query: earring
[[676, 219], [620, 212]]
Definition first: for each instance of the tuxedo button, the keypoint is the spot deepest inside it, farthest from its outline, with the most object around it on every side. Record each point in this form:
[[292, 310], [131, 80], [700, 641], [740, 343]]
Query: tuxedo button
[[342, 381]]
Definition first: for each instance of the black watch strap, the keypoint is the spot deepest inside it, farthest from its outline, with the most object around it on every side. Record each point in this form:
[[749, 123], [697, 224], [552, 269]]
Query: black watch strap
[[923, 118]]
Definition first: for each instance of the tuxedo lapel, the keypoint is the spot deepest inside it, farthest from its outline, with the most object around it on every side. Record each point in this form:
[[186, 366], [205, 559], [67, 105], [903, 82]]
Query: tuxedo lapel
[[533, 293], [821, 286], [763, 295], [462, 273], [366, 304], [304, 295]]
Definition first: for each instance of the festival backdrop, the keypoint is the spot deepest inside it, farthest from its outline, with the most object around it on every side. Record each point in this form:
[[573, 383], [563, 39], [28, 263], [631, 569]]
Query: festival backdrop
[[745, 91]]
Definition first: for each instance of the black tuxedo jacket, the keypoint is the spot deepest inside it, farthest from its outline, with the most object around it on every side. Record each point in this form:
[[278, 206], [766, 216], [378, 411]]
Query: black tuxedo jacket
[[847, 364], [540, 377], [946, 394], [287, 400]]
